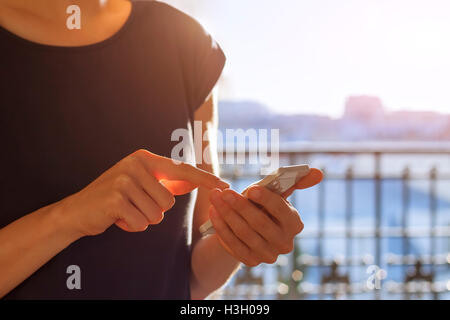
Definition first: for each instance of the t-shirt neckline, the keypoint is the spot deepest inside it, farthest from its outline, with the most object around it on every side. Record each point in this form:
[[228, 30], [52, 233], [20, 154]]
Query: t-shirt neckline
[[95, 45]]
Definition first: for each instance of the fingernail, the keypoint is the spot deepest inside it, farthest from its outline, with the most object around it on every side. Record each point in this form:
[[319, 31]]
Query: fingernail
[[255, 193], [228, 197]]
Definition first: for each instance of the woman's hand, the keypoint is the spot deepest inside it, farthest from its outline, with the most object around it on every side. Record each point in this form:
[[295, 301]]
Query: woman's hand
[[254, 235], [133, 194]]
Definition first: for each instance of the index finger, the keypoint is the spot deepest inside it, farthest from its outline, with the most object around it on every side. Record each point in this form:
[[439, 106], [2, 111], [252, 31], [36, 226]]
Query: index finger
[[168, 169]]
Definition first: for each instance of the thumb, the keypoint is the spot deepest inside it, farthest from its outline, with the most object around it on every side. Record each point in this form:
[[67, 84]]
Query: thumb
[[315, 176]]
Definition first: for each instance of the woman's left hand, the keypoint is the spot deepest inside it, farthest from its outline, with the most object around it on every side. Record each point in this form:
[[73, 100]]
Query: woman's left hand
[[255, 235]]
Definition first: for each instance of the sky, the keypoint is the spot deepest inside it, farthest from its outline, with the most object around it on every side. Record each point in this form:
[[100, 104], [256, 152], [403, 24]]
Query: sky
[[308, 56]]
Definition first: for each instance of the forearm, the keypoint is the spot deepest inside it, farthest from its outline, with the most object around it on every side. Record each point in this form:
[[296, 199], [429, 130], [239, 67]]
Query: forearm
[[30, 242], [211, 266]]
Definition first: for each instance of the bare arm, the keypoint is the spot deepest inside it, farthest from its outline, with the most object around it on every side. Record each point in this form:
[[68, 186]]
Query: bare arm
[[28, 243], [129, 195], [211, 265]]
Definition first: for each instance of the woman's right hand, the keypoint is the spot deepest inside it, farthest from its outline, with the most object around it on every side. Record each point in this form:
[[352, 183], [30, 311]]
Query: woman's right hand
[[133, 194]]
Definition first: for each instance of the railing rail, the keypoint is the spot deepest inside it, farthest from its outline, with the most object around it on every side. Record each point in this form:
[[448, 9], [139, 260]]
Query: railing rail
[[335, 283]]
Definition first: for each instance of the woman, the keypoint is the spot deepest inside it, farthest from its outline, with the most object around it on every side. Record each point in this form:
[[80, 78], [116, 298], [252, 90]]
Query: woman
[[74, 101]]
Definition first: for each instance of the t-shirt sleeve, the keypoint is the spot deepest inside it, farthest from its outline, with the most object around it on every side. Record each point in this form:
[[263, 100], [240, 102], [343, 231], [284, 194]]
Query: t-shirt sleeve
[[202, 60]]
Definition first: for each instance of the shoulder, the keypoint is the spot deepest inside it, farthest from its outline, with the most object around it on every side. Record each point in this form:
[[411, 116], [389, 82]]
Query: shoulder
[[169, 14], [191, 38]]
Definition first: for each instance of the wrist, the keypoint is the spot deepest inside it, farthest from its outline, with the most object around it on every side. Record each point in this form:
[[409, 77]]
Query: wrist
[[58, 216], [219, 249]]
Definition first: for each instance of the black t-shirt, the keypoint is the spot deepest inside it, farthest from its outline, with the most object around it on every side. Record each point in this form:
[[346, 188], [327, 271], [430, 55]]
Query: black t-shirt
[[67, 114]]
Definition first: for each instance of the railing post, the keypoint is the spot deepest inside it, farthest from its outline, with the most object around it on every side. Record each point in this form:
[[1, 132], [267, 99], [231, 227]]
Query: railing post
[[293, 289], [321, 220], [405, 214], [349, 221], [433, 223], [377, 176]]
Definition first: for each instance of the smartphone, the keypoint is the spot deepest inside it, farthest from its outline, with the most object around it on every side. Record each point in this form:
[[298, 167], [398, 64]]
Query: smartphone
[[278, 181]]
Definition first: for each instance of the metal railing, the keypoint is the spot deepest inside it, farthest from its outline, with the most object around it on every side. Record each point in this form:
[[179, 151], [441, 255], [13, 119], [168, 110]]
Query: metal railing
[[391, 267]]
